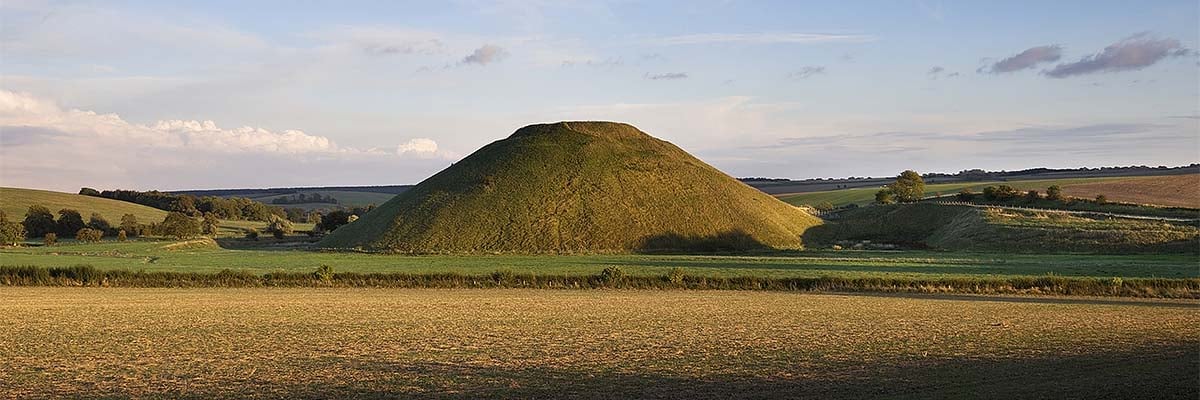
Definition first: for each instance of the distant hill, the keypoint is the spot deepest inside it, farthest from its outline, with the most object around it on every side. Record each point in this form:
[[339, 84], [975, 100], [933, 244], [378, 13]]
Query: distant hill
[[347, 196], [577, 187], [15, 201]]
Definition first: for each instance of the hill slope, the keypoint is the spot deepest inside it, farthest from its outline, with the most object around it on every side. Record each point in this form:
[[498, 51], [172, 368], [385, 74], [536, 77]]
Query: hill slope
[[577, 187], [15, 201]]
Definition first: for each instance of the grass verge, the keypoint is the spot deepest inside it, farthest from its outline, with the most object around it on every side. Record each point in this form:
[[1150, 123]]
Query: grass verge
[[610, 278]]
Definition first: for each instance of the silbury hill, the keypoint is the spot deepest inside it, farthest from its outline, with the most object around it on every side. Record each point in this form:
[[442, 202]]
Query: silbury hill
[[573, 187]]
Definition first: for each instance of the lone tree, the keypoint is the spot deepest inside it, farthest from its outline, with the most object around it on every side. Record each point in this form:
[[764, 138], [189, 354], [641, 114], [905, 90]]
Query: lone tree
[[12, 233], [1054, 193], [179, 225], [909, 187], [129, 224], [69, 222], [39, 221]]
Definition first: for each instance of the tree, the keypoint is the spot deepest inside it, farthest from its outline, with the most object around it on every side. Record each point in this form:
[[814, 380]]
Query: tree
[[89, 235], [1054, 193], [69, 222], [39, 221], [87, 191], [179, 225], [909, 187], [12, 233], [122, 236], [1000, 193], [129, 224], [314, 218], [333, 220], [98, 222], [885, 196], [210, 225], [252, 233], [279, 227], [50, 239], [1101, 199], [1032, 196]]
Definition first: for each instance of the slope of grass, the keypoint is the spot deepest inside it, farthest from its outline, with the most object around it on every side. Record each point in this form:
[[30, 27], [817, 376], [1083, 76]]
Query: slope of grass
[[16, 201], [966, 228], [455, 344], [577, 187], [345, 199], [864, 196]]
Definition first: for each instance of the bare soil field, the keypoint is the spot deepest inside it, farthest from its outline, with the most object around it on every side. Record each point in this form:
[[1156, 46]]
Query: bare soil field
[[376, 343], [1170, 190]]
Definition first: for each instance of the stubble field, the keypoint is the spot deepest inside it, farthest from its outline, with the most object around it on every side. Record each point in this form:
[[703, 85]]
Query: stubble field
[[368, 343]]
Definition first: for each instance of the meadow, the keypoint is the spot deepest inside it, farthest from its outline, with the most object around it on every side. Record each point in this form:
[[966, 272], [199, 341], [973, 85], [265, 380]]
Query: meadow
[[388, 343]]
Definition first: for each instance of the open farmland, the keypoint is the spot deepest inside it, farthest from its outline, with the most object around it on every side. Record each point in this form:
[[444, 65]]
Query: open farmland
[[862, 196], [1170, 190], [376, 343]]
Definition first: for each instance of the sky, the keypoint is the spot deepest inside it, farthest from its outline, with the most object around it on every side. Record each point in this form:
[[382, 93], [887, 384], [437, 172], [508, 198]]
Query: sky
[[231, 94]]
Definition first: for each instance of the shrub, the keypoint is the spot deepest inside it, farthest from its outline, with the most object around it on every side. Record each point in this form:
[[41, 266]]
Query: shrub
[[1054, 193], [324, 273], [69, 222], [89, 235], [38, 221], [503, 276], [210, 225], [612, 275], [1032, 196], [1101, 199], [121, 236], [676, 276], [279, 227], [884, 196], [50, 239], [965, 195], [252, 233], [824, 206]]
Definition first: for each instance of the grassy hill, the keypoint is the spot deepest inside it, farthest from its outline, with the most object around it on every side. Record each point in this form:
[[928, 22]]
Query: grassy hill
[[15, 201], [974, 229], [577, 187], [1082, 187]]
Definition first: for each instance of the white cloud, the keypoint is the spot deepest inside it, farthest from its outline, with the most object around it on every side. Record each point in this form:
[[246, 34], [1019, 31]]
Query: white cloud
[[485, 55], [421, 146], [43, 145]]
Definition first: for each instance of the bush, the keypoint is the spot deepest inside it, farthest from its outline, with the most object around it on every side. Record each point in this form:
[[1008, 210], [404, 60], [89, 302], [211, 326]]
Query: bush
[[98, 222], [12, 233], [676, 276], [324, 273], [503, 276], [252, 233], [129, 224], [50, 239], [965, 195], [1101, 199], [210, 225], [121, 236], [89, 235], [280, 227], [824, 206], [1032, 196], [1054, 193], [884, 196], [39, 221], [612, 275]]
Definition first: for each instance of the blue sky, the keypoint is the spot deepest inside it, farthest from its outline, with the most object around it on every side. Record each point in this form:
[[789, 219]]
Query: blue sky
[[232, 94]]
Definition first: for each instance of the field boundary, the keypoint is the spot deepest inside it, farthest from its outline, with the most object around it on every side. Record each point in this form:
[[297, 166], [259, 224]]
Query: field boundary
[[610, 278]]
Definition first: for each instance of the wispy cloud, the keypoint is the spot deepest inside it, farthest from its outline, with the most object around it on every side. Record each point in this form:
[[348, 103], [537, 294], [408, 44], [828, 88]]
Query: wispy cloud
[[485, 55], [807, 72], [602, 63], [1027, 59], [759, 38], [1133, 53], [666, 76]]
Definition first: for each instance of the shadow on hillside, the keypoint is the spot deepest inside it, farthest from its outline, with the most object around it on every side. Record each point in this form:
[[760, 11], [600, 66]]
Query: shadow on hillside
[[1162, 373], [725, 242]]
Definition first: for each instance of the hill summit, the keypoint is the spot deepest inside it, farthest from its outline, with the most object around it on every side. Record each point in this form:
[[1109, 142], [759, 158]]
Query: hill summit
[[577, 187]]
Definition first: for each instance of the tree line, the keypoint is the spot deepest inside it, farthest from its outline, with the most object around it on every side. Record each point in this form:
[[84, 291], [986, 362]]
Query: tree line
[[235, 208]]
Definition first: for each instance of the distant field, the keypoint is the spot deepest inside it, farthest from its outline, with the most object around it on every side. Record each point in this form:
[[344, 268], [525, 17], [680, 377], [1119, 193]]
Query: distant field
[[376, 343], [15, 202], [1171, 190], [863, 196], [161, 256], [345, 198]]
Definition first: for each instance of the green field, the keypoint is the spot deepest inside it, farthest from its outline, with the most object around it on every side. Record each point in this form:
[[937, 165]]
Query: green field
[[15, 202], [863, 196], [345, 199], [162, 256], [458, 344]]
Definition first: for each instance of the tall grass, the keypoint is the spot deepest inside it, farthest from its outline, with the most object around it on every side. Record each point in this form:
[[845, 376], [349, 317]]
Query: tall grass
[[85, 275]]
